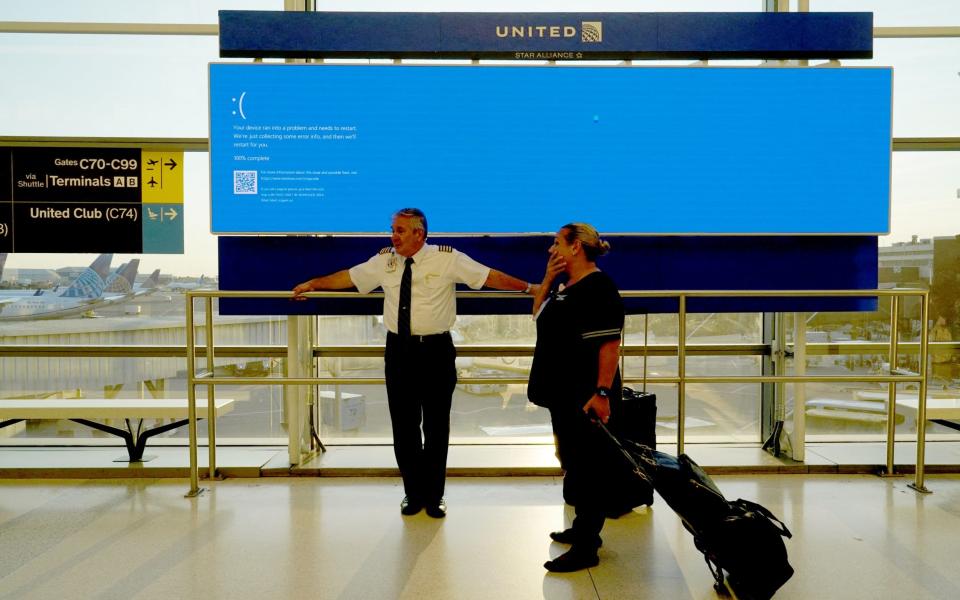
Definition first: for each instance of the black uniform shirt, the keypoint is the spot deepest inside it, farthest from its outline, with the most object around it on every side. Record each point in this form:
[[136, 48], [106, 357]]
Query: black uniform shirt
[[571, 327]]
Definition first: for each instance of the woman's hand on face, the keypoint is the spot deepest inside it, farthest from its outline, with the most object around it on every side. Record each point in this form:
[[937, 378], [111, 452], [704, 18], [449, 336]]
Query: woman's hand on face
[[555, 265], [600, 407]]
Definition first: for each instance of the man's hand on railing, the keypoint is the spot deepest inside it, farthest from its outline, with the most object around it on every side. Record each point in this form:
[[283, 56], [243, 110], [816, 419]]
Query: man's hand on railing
[[301, 289]]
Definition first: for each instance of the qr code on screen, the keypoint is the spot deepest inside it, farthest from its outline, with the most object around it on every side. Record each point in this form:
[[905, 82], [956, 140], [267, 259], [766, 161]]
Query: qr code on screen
[[244, 182]]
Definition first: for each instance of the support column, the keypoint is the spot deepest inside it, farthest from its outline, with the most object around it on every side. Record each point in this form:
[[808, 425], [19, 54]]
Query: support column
[[299, 364]]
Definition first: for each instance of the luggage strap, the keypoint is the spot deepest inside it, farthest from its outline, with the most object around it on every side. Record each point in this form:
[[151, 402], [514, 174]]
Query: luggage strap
[[717, 573], [758, 508]]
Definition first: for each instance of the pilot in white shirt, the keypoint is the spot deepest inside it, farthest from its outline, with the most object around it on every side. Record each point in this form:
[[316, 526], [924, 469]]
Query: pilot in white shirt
[[436, 270], [419, 357]]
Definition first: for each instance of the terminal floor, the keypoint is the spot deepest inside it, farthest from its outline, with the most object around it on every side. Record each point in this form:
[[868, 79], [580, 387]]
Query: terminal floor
[[855, 536]]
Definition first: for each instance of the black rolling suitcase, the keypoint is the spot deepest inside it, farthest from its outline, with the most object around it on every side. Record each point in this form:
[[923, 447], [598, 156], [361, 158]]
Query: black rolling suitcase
[[741, 538], [634, 419]]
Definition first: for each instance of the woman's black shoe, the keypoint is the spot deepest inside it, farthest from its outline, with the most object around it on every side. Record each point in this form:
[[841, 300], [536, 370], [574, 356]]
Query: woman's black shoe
[[567, 536], [563, 537], [574, 559]]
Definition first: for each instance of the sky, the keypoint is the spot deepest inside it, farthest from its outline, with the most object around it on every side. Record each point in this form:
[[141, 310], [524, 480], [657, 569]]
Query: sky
[[156, 86]]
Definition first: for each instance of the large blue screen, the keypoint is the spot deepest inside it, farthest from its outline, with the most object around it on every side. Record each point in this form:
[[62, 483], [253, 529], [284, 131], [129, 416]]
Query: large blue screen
[[525, 149]]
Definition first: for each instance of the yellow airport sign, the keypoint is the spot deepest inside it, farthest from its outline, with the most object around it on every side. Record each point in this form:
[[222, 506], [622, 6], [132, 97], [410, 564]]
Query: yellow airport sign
[[162, 177]]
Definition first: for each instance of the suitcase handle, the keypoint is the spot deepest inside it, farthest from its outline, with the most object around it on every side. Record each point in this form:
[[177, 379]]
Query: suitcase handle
[[623, 343], [637, 469]]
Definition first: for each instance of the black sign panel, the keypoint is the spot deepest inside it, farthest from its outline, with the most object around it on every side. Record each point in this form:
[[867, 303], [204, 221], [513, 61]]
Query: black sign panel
[[90, 200], [6, 206], [69, 174], [65, 227]]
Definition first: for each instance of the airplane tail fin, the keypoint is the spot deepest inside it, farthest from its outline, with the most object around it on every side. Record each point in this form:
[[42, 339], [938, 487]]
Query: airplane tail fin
[[121, 280], [91, 282], [153, 281]]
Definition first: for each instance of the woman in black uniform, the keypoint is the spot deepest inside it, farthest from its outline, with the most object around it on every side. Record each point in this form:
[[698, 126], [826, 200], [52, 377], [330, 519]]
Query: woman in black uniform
[[575, 374]]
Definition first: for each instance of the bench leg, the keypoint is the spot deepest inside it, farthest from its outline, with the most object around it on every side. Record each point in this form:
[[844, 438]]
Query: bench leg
[[126, 435], [944, 422], [142, 438], [136, 443]]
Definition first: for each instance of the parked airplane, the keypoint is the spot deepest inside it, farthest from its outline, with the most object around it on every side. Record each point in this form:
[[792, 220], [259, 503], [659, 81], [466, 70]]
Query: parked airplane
[[83, 294], [121, 280], [149, 286], [185, 286]]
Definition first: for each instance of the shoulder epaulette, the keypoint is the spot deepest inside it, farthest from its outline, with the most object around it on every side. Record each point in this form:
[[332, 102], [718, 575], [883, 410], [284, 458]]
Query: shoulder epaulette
[[386, 250], [445, 248]]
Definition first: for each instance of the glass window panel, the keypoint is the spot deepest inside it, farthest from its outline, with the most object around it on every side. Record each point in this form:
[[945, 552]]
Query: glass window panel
[[925, 196], [257, 415], [895, 13], [105, 85], [926, 84], [122, 11], [542, 6]]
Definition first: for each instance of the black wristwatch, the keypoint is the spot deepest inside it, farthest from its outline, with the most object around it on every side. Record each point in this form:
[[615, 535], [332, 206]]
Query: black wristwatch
[[603, 392]]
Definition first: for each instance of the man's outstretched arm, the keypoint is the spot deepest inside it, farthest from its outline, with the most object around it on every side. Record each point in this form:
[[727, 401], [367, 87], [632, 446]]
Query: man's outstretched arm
[[335, 281], [499, 280]]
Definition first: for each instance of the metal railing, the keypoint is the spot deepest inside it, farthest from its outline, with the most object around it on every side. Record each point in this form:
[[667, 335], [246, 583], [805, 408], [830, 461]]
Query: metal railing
[[894, 377]]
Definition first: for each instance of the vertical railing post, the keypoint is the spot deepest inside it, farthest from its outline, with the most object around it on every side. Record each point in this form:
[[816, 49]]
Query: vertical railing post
[[892, 357], [192, 400], [292, 394], [211, 400], [922, 398], [681, 370]]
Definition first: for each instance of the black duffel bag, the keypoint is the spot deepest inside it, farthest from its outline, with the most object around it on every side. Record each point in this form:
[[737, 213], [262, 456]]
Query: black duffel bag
[[748, 545], [741, 537]]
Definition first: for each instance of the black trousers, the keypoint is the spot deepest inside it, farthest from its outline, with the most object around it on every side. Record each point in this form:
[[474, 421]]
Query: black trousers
[[421, 374], [581, 449]]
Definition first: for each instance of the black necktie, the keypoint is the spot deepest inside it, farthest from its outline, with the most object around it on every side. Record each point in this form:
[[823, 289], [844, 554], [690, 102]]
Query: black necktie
[[406, 285]]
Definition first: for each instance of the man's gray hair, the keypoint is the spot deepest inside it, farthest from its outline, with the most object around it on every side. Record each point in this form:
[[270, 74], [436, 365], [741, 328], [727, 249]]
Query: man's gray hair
[[414, 213]]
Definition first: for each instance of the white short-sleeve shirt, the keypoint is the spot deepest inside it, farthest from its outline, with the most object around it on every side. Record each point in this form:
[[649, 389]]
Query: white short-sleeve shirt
[[435, 272]]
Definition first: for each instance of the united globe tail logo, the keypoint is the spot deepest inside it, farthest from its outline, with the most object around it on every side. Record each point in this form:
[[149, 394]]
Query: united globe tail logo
[[591, 32]]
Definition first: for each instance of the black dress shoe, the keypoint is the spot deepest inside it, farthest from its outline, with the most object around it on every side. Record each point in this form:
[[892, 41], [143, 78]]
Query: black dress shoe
[[563, 537], [437, 510], [573, 560], [409, 507], [567, 536]]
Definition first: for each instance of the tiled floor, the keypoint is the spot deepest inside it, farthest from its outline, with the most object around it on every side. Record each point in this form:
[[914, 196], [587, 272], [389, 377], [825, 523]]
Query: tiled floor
[[855, 536]]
